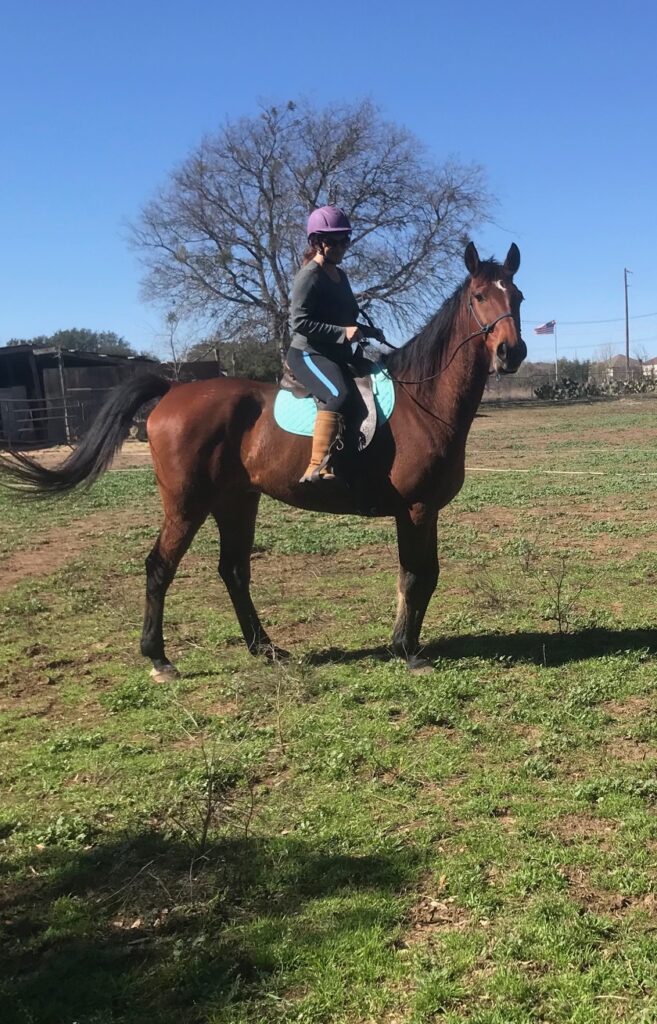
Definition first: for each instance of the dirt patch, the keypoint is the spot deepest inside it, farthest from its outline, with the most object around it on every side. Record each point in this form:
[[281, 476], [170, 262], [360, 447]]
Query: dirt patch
[[573, 828], [63, 544], [630, 751], [502, 425], [541, 521], [559, 438], [430, 917], [631, 708], [133, 455], [599, 901], [34, 688], [531, 733]]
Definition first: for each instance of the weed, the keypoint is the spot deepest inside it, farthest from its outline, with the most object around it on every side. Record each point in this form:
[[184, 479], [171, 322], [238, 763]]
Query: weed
[[554, 575], [135, 694], [66, 831]]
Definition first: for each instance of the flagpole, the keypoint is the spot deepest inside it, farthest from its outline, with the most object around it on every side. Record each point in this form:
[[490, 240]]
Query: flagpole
[[556, 360]]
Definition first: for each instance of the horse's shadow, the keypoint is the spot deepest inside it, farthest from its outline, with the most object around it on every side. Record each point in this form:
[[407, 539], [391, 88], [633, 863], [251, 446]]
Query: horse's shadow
[[548, 649], [81, 943]]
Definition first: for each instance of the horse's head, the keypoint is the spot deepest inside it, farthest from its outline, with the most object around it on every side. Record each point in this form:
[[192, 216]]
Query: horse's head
[[494, 304]]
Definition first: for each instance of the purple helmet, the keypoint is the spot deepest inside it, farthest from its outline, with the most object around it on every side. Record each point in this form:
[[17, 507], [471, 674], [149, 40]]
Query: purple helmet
[[327, 219]]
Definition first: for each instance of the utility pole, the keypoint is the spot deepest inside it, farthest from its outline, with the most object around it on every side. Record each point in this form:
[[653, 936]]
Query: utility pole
[[627, 327]]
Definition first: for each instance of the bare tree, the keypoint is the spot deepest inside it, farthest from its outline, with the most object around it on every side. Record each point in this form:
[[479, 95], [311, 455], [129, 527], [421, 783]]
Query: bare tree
[[605, 353], [223, 239]]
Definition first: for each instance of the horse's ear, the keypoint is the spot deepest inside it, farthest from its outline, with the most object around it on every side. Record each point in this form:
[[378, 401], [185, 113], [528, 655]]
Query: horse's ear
[[512, 261], [471, 257]]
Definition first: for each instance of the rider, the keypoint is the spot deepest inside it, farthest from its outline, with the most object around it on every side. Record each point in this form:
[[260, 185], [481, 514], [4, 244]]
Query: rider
[[324, 324]]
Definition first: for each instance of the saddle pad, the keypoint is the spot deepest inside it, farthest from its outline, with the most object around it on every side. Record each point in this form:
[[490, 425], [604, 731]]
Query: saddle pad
[[297, 415]]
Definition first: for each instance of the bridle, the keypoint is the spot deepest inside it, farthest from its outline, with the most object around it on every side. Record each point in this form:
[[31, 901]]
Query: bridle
[[484, 329]]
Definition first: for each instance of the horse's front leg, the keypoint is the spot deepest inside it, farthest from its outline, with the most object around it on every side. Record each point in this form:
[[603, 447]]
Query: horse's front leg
[[418, 575]]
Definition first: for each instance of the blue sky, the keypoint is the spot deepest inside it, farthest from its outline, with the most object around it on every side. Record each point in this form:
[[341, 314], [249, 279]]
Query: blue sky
[[558, 102]]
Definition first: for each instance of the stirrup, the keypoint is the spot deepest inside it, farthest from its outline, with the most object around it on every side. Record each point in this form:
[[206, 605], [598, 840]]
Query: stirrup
[[317, 474]]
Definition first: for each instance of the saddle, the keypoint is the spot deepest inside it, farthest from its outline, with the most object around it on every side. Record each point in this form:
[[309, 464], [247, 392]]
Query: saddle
[[295, 409]]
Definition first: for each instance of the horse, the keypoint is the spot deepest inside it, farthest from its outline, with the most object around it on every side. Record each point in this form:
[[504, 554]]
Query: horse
[[216, 448]]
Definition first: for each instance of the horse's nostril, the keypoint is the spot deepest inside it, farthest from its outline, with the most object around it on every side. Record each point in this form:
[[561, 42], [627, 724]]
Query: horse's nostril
[[502, 351]]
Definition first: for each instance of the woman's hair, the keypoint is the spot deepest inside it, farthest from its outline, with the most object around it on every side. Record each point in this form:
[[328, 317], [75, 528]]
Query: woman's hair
[[313, 247]]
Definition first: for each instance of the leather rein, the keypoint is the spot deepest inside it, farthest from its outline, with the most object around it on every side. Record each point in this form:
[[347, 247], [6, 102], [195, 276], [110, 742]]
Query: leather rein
[[484, 329]]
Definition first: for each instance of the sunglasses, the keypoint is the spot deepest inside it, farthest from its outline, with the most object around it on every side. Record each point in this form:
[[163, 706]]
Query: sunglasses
[[334, 240]]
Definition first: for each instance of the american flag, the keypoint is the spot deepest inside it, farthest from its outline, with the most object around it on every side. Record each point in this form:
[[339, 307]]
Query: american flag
[[547, 328]]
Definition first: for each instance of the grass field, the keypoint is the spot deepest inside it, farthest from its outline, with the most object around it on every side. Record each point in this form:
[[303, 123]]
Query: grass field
[[335, 839]]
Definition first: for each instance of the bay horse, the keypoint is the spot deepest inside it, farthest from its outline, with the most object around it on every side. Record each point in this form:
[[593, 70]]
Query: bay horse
[[216, 449]]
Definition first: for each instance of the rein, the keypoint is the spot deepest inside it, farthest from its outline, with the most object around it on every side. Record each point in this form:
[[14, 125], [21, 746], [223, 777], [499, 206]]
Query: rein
[[484, 329]]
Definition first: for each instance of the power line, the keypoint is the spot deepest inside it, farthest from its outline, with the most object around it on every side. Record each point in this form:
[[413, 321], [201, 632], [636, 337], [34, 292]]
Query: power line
[[597, 344], [580, 323]]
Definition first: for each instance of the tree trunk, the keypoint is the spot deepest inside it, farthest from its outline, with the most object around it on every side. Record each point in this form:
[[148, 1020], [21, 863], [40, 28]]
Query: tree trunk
[[280, 332]]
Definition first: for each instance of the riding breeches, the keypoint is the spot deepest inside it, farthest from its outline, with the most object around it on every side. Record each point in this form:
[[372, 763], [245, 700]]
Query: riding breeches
[[326, 379]]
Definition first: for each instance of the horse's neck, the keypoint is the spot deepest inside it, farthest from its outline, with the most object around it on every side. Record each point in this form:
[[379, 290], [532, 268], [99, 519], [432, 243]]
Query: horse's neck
[[461, 382]]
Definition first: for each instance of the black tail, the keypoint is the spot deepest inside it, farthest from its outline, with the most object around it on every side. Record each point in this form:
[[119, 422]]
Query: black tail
[[97, 449]]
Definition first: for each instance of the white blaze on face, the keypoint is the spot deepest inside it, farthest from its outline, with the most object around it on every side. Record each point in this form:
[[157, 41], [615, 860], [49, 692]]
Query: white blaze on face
[[500, 285]]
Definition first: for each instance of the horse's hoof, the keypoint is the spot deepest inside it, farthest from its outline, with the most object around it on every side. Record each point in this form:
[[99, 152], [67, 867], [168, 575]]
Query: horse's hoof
[[273, 653], [165, 674]]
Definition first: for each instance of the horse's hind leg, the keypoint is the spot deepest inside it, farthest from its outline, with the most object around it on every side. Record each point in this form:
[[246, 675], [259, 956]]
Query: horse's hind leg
[[236, 520], [418, 576], [175, 537]]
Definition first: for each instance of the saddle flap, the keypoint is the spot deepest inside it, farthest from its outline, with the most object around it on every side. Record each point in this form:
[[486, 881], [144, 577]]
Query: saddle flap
[[368, 425]]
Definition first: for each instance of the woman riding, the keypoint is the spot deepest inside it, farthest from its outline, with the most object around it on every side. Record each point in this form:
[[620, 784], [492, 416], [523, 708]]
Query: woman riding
[[324, 327]]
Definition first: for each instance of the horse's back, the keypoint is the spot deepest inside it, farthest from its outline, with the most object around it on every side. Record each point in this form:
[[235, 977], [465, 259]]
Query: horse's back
[[193, 417], [207, 404]]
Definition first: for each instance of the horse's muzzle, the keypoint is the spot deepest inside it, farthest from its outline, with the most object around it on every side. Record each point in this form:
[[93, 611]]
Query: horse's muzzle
[[509, 357]]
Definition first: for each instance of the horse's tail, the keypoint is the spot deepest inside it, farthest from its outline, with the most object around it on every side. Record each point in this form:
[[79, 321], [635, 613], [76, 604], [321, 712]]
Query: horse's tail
[[96, 450]]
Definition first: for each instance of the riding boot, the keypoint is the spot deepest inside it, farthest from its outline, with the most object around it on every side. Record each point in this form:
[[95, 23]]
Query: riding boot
[[327, 435]]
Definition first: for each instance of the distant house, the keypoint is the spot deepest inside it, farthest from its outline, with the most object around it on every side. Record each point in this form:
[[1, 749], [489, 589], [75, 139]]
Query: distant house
[[650, 368], [616, 368], [51, 395]]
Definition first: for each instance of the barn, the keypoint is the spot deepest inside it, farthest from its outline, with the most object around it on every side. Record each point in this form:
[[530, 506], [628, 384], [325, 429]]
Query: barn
[[51, 395]]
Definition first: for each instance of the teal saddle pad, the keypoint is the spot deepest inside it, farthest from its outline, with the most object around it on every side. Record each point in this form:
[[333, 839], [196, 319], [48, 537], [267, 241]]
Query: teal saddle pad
[[298, 415]]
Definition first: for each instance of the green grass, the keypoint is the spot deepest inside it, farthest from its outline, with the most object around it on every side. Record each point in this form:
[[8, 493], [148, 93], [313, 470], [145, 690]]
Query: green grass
[[336, 840]]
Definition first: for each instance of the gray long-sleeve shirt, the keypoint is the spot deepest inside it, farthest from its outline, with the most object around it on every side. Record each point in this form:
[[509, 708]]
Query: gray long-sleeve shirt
[[320, 309]]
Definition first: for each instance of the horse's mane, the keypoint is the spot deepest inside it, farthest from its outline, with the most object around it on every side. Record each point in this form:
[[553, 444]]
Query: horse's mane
[[423, 355]]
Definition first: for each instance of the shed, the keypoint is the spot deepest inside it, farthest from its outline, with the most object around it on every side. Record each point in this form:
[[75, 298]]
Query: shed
[[51, 395]]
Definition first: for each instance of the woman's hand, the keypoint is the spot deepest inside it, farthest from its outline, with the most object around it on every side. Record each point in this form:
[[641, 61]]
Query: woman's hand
[[353, 333], [373, 332]]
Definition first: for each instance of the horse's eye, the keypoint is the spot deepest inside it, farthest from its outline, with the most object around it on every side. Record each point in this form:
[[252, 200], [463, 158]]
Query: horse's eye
[[478, 296]]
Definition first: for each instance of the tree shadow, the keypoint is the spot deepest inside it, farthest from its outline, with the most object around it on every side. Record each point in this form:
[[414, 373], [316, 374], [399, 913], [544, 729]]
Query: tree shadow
[[549, 649], [136, 929]]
